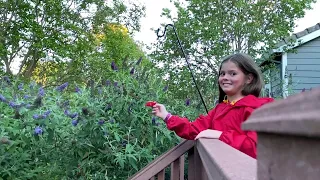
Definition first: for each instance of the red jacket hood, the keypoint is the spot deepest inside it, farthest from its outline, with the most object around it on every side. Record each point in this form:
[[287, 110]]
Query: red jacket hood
[[252, 101]]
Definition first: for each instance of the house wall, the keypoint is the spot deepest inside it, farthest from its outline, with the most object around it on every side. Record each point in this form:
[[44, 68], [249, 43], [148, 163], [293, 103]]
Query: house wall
[[304, 66]]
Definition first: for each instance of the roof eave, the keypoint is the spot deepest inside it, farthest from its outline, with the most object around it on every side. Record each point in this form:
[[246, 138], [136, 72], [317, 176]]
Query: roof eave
[[296, 42], [300, 41]]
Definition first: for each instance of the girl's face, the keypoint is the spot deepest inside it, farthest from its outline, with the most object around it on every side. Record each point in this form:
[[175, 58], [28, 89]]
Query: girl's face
[[232, 79]]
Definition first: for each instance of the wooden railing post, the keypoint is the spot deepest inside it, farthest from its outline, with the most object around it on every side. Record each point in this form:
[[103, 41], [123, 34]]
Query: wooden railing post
[[191, 165], [221, 161], [196, 170], [161, 175], [182, 161], [288, 137], [176, 174]]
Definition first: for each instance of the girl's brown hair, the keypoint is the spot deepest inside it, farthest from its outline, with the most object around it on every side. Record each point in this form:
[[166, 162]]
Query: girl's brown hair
[[247, 65]]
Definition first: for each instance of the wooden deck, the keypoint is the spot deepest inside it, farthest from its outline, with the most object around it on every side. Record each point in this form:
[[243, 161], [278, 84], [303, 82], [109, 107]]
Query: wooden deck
[[288, 148]]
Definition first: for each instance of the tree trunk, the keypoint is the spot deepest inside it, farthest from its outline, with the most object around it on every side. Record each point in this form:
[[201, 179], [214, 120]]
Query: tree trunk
[[31, 64], [8, 70]]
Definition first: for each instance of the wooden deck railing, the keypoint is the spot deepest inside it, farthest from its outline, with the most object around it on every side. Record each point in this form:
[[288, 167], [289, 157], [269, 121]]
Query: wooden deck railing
[[206, 159], [288, 147]]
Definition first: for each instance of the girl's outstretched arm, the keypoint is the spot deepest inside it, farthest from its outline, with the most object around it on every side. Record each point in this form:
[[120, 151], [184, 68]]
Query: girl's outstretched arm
[[189, 130], [245, 141], [182, 126]]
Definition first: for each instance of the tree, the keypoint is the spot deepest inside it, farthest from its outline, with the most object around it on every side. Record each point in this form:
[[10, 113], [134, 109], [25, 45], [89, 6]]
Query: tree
[[56, 30], [211, 29], [111, 44]]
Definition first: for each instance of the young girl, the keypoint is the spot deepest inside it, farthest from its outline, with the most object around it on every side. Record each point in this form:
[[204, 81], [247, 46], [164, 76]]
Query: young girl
[[240, 84]]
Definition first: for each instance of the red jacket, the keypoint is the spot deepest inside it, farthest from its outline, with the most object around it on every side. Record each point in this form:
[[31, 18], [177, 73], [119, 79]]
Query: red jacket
[[227, 118]]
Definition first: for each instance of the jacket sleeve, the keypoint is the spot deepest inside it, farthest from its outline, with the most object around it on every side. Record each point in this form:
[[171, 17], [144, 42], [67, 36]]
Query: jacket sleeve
[[245, 141], [189, 130]]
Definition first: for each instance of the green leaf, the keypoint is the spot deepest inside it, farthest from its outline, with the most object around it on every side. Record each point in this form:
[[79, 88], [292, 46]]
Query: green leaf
[[85, 155], [116, 135], [50, 135], [133, 163], [132, 156], [129, 148]]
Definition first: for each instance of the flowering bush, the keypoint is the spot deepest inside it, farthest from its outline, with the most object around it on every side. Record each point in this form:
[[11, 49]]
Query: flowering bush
[[99, 131]]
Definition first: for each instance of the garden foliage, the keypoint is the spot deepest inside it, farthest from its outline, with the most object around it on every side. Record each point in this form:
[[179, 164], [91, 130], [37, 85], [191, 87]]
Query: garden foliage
[[100, 130]]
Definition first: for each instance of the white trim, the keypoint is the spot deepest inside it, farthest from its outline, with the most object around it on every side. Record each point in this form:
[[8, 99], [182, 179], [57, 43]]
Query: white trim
[[302, 40], [284, 72]]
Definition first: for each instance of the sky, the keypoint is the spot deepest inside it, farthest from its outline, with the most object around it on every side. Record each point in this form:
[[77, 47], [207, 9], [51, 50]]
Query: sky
[[153, 19]]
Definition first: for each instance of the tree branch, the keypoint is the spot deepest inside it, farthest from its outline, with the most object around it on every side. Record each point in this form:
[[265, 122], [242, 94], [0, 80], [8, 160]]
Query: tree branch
[[13, 55], [25, 59]]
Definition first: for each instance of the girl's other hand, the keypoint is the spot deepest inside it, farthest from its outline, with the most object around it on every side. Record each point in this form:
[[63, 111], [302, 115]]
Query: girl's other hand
[[160, 111], [209, 134]]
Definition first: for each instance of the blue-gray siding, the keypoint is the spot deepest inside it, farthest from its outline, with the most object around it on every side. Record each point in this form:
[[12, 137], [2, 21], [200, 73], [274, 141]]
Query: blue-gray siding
[[304, 66]]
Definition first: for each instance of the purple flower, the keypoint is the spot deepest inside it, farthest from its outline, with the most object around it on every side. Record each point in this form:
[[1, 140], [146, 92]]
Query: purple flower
[[41, 92], [66, 112], [124, 143], [44, 115], [77, 90], [7, 80], [73, 115], [114, 66], [62, 87], [2, 98], [188, 102], [108, 82], [20, 86], [108, 107], [12, 104], [47, 113], [115, 84], [132, 71], [139, 61], [36, 116], [38, 130], [26, 96], [101, 121], [74, 122], [28, 106], [165, 89]]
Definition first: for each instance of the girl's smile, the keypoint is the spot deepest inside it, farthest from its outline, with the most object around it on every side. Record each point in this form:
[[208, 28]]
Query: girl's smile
[[231, 79]]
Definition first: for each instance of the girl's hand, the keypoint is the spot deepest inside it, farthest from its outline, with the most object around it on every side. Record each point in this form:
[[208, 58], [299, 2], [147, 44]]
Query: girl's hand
[[209, 134], [160, 111]]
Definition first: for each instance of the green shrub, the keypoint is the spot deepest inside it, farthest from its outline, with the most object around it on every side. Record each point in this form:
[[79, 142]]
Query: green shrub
[[99, 131]]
